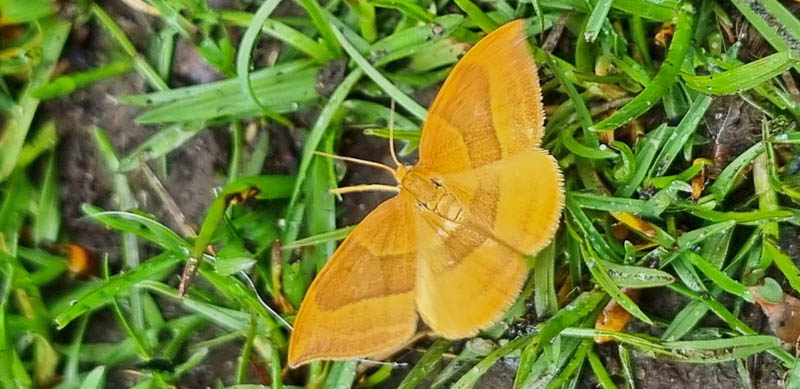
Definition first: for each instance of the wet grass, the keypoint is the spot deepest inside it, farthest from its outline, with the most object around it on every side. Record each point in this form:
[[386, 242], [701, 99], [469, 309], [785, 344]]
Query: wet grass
[[628, 88]]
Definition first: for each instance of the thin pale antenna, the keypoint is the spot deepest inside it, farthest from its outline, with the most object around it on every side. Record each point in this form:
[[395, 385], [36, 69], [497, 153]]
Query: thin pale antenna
[[356, 160], [365, 188], [391, 136]]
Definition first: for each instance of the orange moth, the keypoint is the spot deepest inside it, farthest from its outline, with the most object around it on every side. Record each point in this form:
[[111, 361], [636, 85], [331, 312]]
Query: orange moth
[[450, 247]]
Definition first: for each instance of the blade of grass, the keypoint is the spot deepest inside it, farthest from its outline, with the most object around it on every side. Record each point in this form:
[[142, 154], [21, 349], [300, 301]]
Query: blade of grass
[[695, 351], [244, 358], [122, 319], [283, 32], [234, 193], [407, 8], [664, 79], [726, 180], [64, 85], [139, 63], [315, 137], [16, 126], [719, 278], [784, 264], [142, 226], [661, 10], [768, 28], [599, 370], [43, 140], [682, 134], [12, 373], [645, 155], [477, 15], [577, 310], [229, 319], [597, 17], [330, 236], [474, 350], [600, 274], [581, 150], [154, 268], [544, 296], [402, 99], [469, 379], [48, 214], [325, 30], [244, 53], [96, 379], [429, 361], [637, 276], [731, 320], [222, 89], [341, 375], [744, 77]]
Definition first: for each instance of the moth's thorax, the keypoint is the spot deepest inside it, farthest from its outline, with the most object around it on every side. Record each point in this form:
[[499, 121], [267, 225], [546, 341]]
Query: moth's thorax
[[431, 195]]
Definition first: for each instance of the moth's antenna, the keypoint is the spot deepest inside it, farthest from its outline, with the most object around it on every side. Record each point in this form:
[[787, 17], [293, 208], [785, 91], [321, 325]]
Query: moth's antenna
[[391, 136], [356, 160], [365, 188]]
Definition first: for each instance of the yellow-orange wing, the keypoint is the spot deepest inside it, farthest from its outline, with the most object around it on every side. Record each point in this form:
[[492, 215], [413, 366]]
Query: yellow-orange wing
[[362, 302], [481, 143], [517, 199], [466, 279], [489, 107], [471, 271]]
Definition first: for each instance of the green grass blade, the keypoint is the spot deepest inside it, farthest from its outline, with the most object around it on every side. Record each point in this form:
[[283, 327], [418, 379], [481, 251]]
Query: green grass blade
[[429, 361], [660, 10], [154, 268], [64, 85], [469, 379], [611, 204], [744, 77], [544, 296], [282, 32], [719, 278], [477, 15], [599, 370], [645, 155], [637, 276], [48, 212], [784, 264], [663, 80], [681, 135], [597, 17], [317, 15], [244, 53], [402, 99], [581, 150], [331, 236], [341, 375], [96, 379], [317, 132], [139, 225], [139, 63], [17, 124], [726, 180], [751, 11], [601, 276]]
